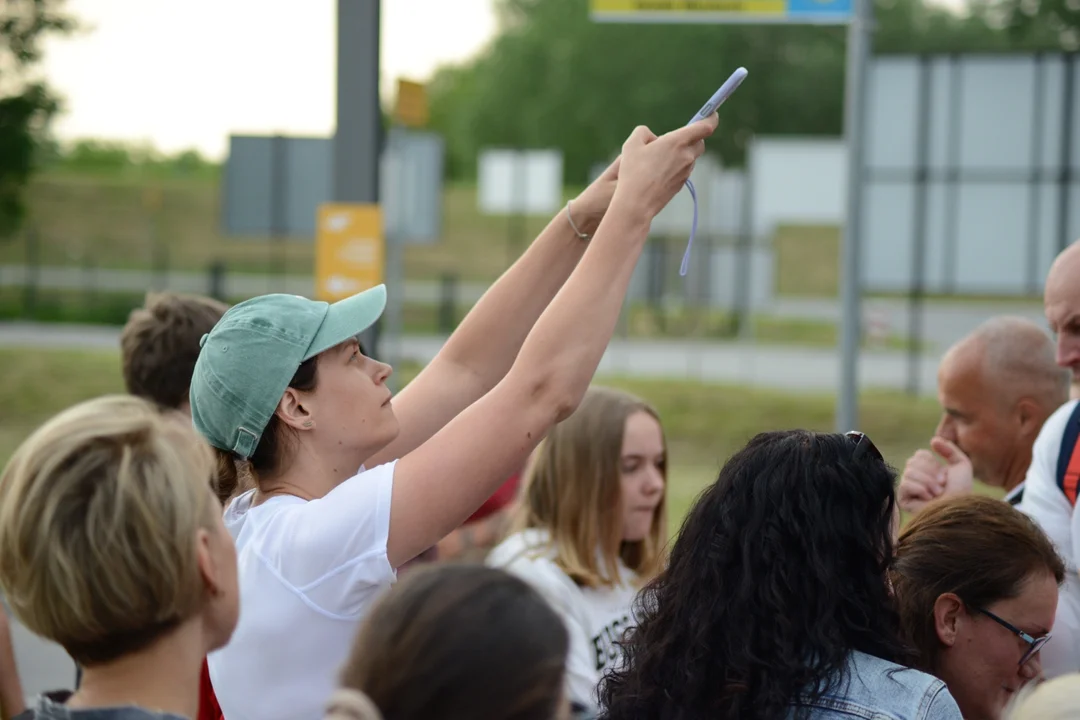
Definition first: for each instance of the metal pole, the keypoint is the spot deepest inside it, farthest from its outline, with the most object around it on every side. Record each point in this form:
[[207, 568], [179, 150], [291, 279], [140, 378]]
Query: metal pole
[[395, 242], [743, 326], [278, 221], [1068, 100], [918, 253], [1035, 186], [858, 55], [952, 173], [357, 137]]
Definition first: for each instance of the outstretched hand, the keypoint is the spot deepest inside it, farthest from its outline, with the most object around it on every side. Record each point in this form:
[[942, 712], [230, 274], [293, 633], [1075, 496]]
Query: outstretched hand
[[654, 168]]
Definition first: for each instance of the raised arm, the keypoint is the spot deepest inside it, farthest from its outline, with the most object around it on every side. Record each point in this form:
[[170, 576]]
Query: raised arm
[[440, 483], [483, 347]]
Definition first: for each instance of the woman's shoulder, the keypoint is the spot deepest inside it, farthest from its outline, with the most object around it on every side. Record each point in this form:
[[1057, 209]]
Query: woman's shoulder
[[528, 550], [871, 668], [529, 555], [903, 691]]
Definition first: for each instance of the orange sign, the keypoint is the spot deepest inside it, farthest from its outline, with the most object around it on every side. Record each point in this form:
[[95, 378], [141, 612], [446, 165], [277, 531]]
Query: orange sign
[[411, 109], [349, 250]]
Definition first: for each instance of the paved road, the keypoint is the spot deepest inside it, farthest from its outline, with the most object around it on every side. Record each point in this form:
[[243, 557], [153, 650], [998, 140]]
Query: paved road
[[943, 322]]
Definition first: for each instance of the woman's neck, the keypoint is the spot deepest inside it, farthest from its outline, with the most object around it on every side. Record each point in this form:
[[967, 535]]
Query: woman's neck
[[161, 678], [310, 475]]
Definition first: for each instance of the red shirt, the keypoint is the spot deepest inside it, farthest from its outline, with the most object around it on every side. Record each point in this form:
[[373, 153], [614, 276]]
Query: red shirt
[[208, 704], [502, 497]]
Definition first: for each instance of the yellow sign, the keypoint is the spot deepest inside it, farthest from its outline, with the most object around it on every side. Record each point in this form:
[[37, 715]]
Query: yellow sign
[[720, 11], [349, 250], [411, 109]]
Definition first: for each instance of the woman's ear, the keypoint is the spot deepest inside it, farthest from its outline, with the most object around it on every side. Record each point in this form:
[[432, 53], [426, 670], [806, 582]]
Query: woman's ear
[[295, 411], [948, 612]]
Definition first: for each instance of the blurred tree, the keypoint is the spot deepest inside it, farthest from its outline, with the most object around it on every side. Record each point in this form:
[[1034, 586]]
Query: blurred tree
[[1035, 21], [26, 103], [554, 78]]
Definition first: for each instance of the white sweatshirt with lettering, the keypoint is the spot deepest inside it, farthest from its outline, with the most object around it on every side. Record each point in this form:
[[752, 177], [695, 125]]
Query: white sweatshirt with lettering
[[594, 618]]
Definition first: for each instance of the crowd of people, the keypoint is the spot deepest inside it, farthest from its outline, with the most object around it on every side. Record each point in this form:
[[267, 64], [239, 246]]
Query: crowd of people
[[259, 530]]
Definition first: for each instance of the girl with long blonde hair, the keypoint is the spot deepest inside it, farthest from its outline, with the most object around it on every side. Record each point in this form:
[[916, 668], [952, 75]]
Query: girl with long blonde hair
[[591, 527]]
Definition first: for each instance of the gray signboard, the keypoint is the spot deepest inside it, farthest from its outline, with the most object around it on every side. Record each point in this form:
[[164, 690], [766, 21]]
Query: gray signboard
[[412, 185], [273, 185]]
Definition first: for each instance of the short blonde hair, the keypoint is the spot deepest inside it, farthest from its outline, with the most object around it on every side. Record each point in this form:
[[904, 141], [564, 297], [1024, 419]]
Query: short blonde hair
[[1056, 699], [99, 513], [572, 490]]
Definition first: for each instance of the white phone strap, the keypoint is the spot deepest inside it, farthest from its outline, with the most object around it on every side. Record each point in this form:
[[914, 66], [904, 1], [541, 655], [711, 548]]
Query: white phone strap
[[693, 230]]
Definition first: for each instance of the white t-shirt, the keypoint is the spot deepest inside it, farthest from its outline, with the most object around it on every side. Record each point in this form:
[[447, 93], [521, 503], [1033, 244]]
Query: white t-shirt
[[308, 572], [595, 618], [1045, 503]]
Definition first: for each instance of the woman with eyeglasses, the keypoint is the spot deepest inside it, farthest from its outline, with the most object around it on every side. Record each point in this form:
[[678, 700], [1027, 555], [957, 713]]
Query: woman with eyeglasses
[[775, 603], [977, 583]]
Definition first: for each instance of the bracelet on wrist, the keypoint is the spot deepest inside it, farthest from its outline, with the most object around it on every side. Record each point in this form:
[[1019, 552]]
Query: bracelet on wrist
[[584, 236]]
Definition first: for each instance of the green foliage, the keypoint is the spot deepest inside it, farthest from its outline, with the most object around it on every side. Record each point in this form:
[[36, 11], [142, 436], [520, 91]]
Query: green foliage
[[87, 307], [1041, 22], [120, 159], [555, 78], [26, 106]]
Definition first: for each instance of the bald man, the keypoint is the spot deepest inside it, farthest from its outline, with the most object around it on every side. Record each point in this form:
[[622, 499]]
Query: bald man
[[1061, 303], [997, 386], [1050, 486]]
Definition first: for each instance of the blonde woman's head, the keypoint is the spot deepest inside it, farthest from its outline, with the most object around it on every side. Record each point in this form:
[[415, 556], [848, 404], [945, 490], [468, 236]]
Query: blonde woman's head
[[110, 534], [597, 483]]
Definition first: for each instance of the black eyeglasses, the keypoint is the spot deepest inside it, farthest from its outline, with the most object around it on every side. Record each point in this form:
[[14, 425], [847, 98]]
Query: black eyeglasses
[[863, 445], [1035, 644]]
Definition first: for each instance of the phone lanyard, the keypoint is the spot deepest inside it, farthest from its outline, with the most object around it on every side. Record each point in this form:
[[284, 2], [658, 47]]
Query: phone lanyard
[[693, 230]]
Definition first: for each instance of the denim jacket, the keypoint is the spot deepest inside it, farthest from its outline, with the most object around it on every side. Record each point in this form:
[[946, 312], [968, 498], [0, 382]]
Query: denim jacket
[[875, 689]]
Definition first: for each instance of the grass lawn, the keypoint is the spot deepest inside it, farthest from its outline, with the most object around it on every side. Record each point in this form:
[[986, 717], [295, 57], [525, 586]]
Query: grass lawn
[[113, 221], [704, 423]]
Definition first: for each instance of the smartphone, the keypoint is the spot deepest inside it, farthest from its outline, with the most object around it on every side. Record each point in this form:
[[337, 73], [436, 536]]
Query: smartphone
[[720, 95]]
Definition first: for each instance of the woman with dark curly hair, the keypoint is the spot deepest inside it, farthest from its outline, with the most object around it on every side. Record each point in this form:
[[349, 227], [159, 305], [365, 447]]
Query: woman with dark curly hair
[[775, 602]]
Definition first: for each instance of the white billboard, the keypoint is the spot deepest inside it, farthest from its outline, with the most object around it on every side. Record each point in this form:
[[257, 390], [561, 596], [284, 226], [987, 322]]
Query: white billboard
[[520, 182]]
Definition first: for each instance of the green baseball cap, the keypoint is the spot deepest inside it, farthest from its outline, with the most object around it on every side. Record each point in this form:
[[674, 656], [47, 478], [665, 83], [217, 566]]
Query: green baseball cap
[[249, 358]]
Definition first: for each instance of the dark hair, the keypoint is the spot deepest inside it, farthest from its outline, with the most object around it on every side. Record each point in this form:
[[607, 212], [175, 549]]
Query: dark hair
[[777, 575], [981, 549], [160, 344], [461, 642], [268, 453]]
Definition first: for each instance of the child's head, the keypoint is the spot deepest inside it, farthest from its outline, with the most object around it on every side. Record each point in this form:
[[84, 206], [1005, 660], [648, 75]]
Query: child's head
[[110, 535], [458, 642], [597, 484], [160, 344]]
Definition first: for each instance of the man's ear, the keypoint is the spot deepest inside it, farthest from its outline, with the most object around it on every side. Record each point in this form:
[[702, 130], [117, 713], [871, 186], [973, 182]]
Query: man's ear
[[1029, 417], [295, 411]]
